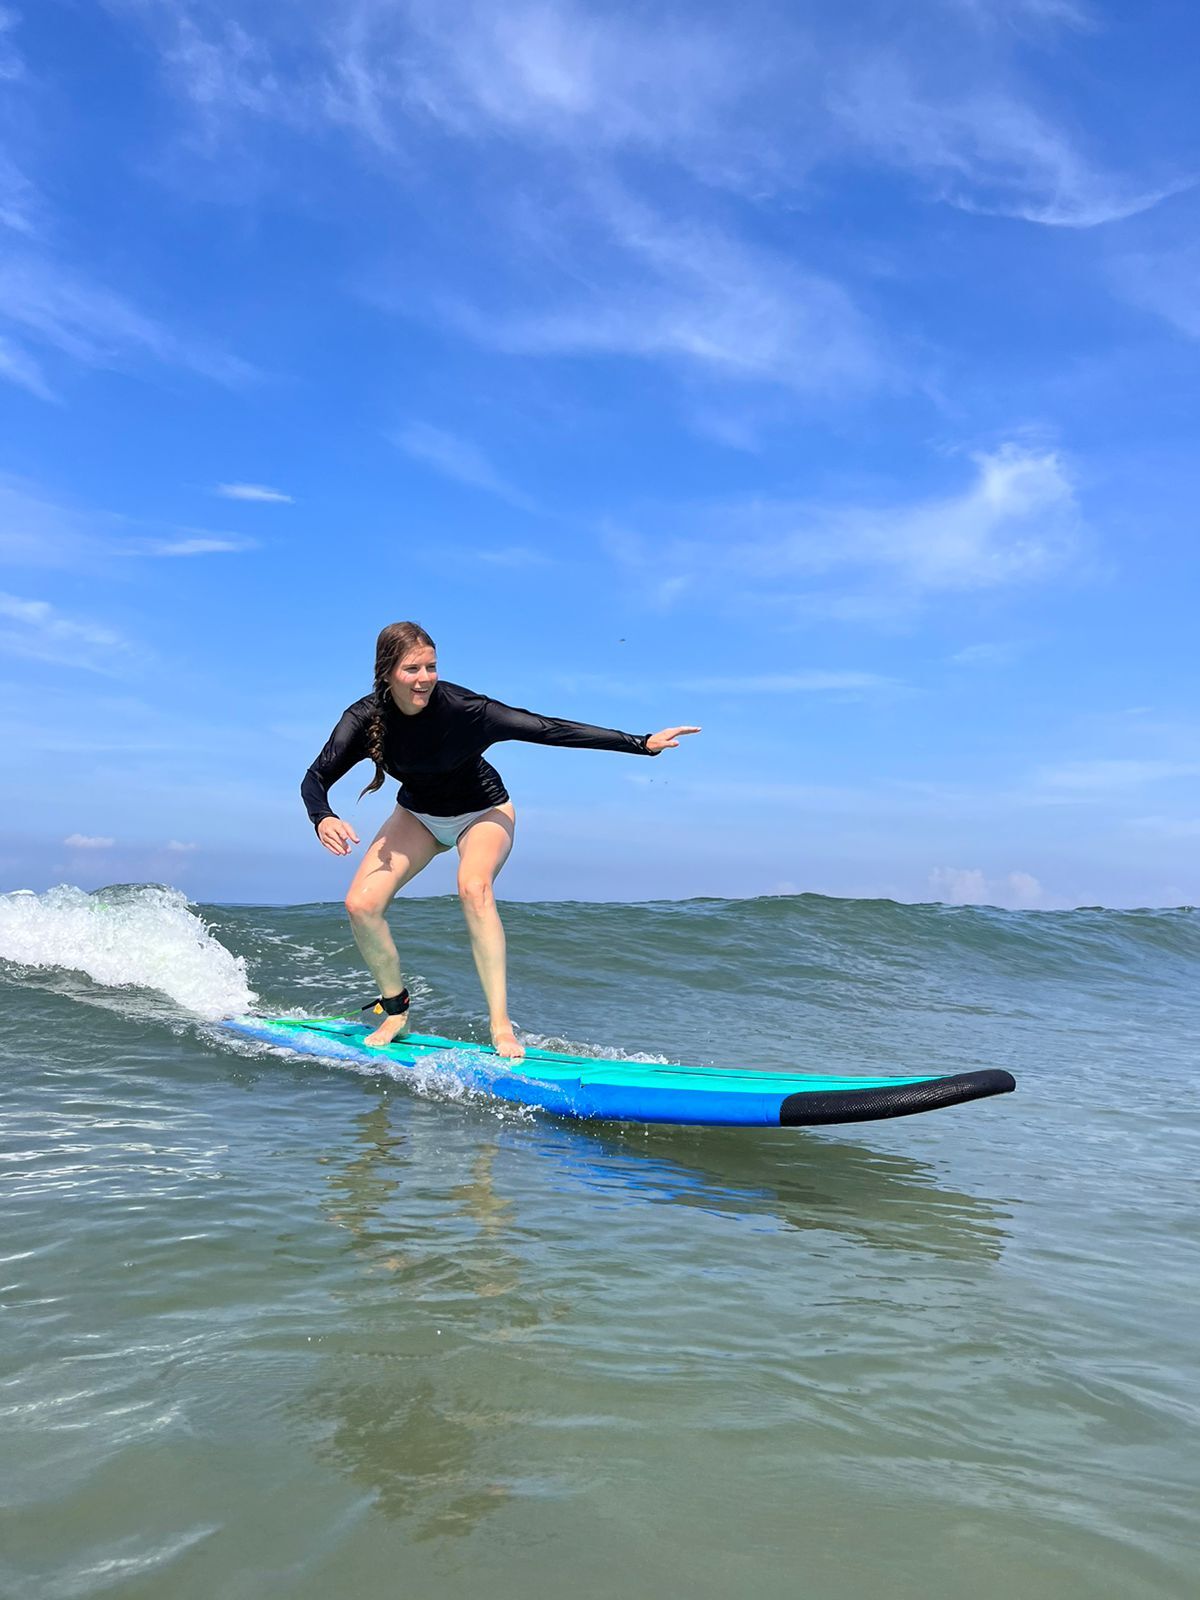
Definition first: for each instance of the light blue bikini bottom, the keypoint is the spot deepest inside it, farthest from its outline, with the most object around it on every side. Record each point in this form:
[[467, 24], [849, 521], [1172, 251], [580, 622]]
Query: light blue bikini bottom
[[449, 830]]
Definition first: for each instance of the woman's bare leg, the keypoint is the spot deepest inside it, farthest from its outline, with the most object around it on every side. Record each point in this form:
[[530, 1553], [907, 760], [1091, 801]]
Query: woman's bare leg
[[483, 850], [401, 848]]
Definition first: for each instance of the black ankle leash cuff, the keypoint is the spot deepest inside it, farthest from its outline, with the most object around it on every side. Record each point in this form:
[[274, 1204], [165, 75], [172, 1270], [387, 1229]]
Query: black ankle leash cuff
[[390, 1005]]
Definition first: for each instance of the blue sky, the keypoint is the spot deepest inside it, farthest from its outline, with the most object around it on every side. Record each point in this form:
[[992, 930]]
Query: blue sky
[[828, 376]]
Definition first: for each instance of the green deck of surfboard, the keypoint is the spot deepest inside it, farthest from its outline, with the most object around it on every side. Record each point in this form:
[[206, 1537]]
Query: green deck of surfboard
[[597, 1087]]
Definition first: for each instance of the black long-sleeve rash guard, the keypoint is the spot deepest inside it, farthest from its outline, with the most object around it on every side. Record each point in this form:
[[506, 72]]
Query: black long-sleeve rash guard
[[437, 753]]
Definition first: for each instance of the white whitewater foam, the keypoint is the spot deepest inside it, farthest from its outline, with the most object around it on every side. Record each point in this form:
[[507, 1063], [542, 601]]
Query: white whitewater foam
[[434, 1077], [590, 1052], [143, 936]]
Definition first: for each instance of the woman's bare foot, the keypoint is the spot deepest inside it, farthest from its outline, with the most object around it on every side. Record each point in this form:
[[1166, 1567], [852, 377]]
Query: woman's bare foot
[[505, 1042], [390, 1028]]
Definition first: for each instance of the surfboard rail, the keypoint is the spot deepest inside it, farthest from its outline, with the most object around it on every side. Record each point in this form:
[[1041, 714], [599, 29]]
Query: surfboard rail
[[605, 1089]]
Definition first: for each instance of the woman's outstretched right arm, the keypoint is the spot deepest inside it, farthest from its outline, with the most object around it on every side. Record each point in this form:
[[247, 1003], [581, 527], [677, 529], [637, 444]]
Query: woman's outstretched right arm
[[345, 748]]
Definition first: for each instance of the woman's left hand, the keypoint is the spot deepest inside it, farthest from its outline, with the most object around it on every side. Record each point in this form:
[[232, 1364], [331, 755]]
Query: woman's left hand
[[668, 739]]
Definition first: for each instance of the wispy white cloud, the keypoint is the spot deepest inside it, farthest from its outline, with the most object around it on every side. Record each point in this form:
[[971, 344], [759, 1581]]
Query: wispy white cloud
[[483, 564], [195, 545], [816, 799], [48, 306], [19, 202], [782, 683], [86, 841], [987, 654], [180, 847], [1108, 776], [1167, 827], [516, 556], [19, 367], [42, 633], [573, 113], [710, 99], [21, 206], [35, 531], [1016, 522], [840, 683], [1019, 14], [53, 307], [553, 74], [455, 457], [12, 65], [985, 149], [1165, 283], [42, 616], [221, 64], [609, 685], [697, 296], [259, 492]]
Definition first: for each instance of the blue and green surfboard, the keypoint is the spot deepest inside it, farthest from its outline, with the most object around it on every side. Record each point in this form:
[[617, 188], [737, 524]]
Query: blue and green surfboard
[[633, 1091]]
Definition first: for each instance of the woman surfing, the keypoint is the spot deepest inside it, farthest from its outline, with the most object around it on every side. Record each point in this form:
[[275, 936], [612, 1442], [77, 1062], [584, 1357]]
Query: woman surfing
[[430, 735]]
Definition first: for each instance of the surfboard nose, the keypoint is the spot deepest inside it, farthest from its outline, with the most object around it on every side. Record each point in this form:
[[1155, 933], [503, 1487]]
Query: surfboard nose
[[897, 1100]]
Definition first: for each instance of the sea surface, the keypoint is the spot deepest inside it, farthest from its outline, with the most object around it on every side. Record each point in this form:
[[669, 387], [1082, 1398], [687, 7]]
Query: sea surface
[[271, 1326]]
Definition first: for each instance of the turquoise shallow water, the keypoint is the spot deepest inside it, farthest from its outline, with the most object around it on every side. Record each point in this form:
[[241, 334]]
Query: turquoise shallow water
[[276, 1328]]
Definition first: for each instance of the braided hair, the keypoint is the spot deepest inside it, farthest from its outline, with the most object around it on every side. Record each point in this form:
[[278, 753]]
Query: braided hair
[[393, 644]]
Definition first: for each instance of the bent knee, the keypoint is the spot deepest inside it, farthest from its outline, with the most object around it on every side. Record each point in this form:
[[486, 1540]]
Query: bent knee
[[362, 906], [476, 893]]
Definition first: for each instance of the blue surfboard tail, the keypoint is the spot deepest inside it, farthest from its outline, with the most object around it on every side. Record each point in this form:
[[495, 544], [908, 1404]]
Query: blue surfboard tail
[[611, 1090]]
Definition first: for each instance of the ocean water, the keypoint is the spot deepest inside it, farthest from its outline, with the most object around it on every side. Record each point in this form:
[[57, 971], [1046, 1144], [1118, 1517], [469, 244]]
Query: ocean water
[[276, 1327]]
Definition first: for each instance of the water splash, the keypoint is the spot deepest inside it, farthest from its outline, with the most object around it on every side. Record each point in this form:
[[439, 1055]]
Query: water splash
[[561, 1045], [130, 936]]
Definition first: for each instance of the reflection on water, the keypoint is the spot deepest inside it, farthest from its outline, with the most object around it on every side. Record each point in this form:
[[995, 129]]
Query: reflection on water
[[458, 1271], [406, 1443], [799, 1180], [479, 1200], [399, 1425], [802, 1182], [360, 1187]]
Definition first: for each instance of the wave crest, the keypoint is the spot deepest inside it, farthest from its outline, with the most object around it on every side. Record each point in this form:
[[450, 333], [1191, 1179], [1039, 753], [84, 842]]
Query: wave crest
[[129, 936]]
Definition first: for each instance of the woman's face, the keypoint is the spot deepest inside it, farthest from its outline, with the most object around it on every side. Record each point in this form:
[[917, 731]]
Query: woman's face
[[412, 679]]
